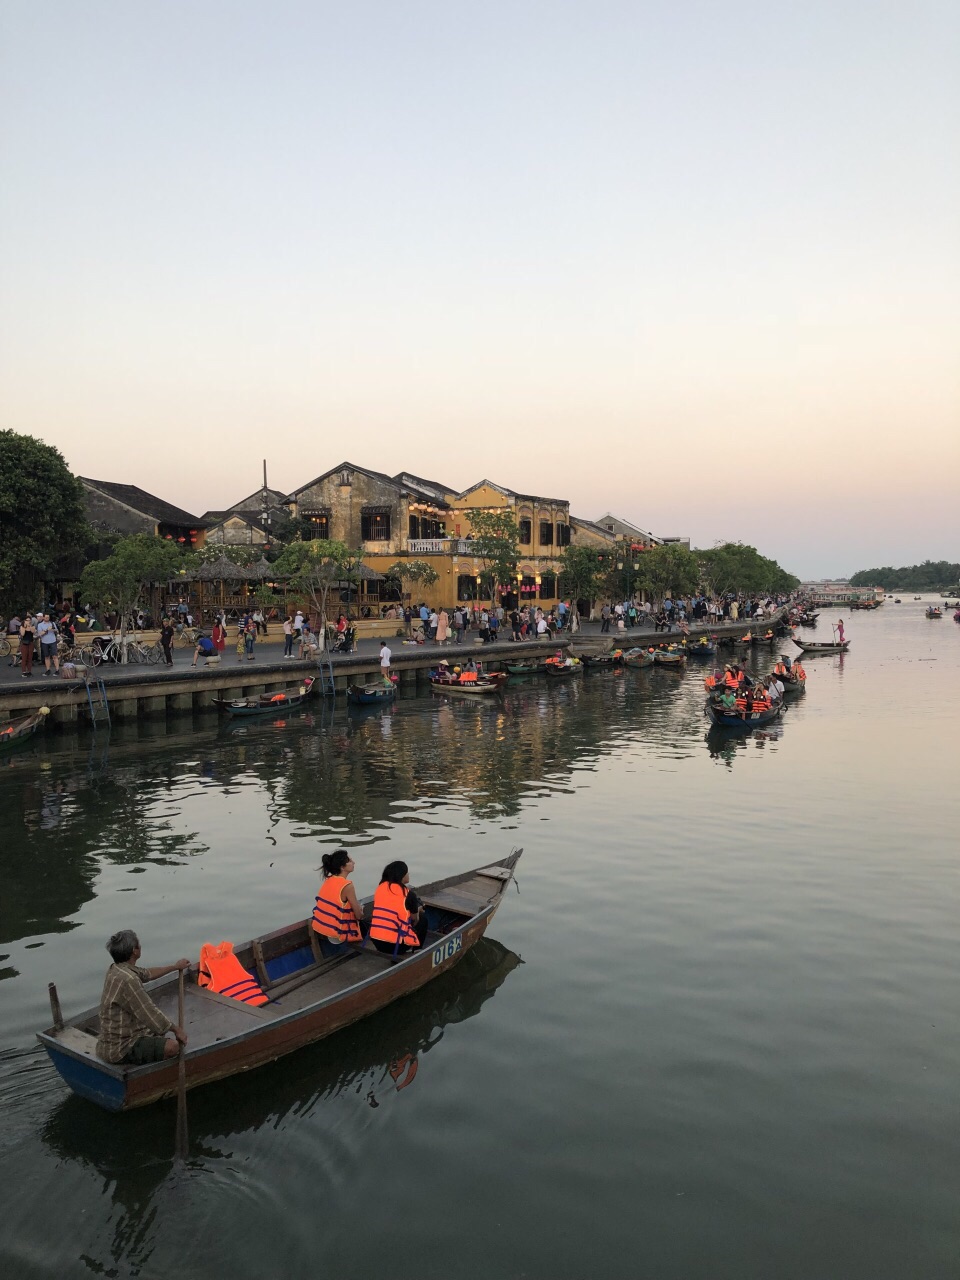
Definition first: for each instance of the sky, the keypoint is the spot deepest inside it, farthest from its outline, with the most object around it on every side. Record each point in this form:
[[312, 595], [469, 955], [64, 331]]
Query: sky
[[695, 264]]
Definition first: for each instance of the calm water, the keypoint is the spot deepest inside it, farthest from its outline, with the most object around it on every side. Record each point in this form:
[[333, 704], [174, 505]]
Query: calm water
[[715, 1034]]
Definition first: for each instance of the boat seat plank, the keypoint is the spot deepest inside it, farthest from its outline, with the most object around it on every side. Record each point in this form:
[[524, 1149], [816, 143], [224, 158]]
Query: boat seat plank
[[354, 969], [80, 1041], [459, 904]]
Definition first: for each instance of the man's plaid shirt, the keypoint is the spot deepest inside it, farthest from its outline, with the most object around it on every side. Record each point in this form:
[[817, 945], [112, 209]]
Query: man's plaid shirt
[[127, 1012]]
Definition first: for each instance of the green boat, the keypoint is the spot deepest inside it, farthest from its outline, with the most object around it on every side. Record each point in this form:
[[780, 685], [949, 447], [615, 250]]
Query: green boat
[[18, 732]]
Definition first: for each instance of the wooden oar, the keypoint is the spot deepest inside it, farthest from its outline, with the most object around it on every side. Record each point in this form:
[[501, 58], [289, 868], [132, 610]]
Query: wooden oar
[[182, 1141]]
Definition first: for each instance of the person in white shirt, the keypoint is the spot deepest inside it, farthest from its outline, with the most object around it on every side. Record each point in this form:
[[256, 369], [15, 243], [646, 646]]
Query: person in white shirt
[[298, 622], [385, 659], [542, 628], [47, 635]]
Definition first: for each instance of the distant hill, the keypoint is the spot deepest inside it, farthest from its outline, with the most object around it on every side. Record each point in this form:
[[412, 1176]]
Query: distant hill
[[932, 575]]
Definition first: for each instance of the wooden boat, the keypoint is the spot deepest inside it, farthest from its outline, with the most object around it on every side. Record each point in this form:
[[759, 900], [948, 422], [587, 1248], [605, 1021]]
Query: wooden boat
[[17, 733], [666, 658], [267, 703], [638, 658], [934, 612], [561, 668], [702, 649], [369, 695], [742, 723], [612, 659], [792, 688], [524, 668], [821, 646], [897, 601], [481, 686], [312, 995]]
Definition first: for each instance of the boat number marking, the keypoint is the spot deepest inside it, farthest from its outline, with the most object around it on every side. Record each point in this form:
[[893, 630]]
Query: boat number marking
[[447, 949]]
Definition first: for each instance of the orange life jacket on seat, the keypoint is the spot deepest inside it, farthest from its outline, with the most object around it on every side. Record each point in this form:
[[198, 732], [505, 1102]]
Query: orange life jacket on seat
[[221, 971], [390, 918], [332, 916], [468, 677], [799, 672]]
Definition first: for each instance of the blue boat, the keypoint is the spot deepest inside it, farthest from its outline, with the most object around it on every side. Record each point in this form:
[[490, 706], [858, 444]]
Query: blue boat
[[704, 649], [369, 695]]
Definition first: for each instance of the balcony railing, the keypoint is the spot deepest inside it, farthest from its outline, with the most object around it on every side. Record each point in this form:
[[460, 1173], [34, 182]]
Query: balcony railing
[[439, 546]]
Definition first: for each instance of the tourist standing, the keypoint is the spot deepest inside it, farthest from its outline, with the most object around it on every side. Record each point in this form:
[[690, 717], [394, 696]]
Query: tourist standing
[[166, 640], [47, 635], [219, 634], [605, 619], [249, 638], [443, 627], [288, 637], [385, 659], [27, 638]]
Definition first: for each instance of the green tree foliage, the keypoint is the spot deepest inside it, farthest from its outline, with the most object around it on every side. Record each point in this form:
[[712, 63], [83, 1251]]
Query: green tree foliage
[[312, 568], [42, 517], [496, 544], [119, 581], [668, 569], [733, 567], [211, 551], [414, 573], [932, 575], [581, 569]]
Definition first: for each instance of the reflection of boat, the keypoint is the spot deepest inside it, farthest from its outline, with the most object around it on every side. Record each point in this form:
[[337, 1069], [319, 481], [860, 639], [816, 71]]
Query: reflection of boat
[[821, 646], [362, 1057], [312, 994], [19, 732], [267, 703], [364, 695], [753, 721]]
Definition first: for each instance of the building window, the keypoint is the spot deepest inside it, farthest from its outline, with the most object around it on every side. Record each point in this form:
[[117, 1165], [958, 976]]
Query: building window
[[548, 586], [321, 526], [413, 527], [563, 535], [526, 532], [375, 526], [546, 533]]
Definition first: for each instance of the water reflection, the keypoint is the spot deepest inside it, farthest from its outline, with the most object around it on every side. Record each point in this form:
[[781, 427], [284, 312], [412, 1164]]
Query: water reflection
[[376, 1058], [329, 773]]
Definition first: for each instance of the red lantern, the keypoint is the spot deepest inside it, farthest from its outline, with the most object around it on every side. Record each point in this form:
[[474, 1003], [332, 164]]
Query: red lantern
[[181, 539], [168, 537]]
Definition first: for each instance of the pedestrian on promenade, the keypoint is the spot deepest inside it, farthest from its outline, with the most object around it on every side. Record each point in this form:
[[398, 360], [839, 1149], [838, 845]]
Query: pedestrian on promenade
[[443, 627], [288, 637], [298, 622], [166, 640], [249, 638], [27, 638], [260, 621], [219, 634], [385, 659], [47, 635], [605, 619]]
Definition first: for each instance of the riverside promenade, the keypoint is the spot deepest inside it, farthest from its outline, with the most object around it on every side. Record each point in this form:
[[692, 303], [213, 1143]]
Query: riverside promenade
[[138, 691]]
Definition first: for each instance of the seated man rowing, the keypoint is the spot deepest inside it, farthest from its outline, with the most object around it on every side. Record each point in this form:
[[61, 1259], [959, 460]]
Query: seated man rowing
[[132, 1029]]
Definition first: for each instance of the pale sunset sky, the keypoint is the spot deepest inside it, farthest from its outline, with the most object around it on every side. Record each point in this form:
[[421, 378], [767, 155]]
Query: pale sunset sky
[[694, 263]]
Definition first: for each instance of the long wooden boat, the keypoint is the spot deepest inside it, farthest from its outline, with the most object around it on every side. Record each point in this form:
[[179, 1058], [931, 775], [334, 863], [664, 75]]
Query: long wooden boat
[[267, 703], [702, 649], [821, 646], [638, 658], [369, 695], [792, 688], [19, 732], [481, 687], [664, 658], [525, 668], [752, 721], [311, 996], [612, 659]]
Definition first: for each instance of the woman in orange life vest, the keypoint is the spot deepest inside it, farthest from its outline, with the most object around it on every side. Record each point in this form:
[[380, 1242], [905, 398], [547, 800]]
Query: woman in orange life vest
[[337, 913], [398, 923]]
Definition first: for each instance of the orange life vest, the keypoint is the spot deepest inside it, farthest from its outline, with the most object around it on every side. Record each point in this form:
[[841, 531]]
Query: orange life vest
[[221, 971], [799, 672], [780, 669], [710, 682], [468, 677], [390, 920], [730, 679], [332, 916]]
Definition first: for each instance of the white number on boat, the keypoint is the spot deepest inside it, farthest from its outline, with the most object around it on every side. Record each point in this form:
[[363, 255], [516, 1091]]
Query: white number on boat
[[447, 949]]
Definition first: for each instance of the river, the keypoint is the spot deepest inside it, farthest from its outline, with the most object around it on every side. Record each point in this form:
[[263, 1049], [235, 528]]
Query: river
[[715, 1034]]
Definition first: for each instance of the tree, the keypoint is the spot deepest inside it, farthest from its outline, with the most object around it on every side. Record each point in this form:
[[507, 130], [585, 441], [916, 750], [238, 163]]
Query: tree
[[314, 567], [415, 572], [732, 567], [665, 569], [496, 544], [580, 572], [42, 517], [119, 581], [242, 555]]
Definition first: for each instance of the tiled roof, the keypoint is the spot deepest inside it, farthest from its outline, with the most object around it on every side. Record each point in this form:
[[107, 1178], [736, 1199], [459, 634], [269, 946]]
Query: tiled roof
[[146, 503]]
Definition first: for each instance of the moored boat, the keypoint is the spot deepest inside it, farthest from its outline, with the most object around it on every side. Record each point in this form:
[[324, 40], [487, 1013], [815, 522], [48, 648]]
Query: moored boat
[[267, 703], [638, 658], [524, 668], [561, 667], [368, 695], [612, 659], [702, 648], [17, 733], [669, 658], [312, 994]]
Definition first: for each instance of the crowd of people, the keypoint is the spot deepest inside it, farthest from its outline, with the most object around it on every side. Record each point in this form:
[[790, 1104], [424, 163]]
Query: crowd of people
[[735, 693]]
